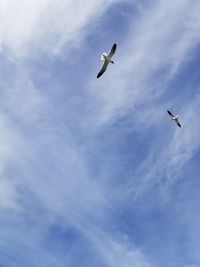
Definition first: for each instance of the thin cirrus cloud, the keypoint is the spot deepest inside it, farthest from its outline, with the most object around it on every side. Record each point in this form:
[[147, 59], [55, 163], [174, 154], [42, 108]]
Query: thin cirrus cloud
[[28, 27], [60, 187]]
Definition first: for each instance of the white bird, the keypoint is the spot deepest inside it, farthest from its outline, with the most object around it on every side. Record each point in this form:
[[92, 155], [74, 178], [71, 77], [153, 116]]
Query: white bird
[[107, 59], [174, 118]]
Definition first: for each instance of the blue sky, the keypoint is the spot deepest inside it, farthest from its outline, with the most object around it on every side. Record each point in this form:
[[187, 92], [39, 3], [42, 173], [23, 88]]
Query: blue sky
[[93, 172]]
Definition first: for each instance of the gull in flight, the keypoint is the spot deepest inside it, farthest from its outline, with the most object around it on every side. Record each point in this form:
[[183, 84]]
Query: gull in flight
[[107, 59], [174, 118]]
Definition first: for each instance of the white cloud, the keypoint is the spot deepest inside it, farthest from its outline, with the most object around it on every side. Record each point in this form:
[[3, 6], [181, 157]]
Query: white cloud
[[27, 27], [48, 163], [118, 252]]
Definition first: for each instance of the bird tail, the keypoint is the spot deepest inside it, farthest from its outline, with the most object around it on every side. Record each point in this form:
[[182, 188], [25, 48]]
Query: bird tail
[[102, 56]]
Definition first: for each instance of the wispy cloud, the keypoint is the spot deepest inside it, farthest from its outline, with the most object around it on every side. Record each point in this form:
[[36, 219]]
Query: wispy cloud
[[63, 176], [28, 27]]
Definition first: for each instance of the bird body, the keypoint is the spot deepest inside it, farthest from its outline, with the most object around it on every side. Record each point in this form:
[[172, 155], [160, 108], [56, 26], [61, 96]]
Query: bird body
[[174, 118], [103, 56], [107, 58]]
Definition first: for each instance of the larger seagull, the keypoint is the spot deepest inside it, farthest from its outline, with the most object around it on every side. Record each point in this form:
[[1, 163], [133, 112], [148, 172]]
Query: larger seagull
[[174, 118], [107, 59]]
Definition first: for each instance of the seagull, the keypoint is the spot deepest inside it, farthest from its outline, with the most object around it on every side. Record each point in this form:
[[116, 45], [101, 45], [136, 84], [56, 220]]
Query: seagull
[[107, 59], [174, 118]]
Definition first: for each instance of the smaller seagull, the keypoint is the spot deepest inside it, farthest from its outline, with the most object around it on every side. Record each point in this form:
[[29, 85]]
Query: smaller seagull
[[107, 59], [174, 118]]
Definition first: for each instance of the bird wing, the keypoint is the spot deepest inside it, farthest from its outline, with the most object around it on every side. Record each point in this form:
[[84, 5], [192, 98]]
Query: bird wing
[[177, 122], [103, 69], [170, 114], [112, 51]]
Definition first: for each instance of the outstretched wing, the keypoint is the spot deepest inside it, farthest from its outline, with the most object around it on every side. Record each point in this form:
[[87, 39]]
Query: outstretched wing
[[170, 114], [112, 51], [177, 122], [103, 69]]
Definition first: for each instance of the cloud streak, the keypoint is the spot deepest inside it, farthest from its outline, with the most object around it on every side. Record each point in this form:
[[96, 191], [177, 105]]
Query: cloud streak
[[66, 162], [29, 27]]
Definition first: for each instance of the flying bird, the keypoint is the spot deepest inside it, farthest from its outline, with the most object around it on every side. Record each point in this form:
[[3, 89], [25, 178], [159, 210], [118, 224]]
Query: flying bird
[[174, 118], [107, 59]]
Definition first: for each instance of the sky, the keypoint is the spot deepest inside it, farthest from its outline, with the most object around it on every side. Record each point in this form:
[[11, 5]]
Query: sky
[[93, 172]]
